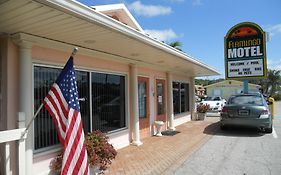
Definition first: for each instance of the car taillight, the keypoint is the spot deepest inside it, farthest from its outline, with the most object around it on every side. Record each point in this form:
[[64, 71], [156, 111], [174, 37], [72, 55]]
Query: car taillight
[[265, 114], [224, 110]]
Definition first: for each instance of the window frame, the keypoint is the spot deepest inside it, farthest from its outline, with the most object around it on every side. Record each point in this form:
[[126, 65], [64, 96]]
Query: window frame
[[56, 147]]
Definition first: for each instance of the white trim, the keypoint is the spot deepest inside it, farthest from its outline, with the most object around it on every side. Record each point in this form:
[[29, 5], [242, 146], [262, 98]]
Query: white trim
[[113, 7], [160, 78], [144, 76], [11, 135], [47, 150], [78, 68]]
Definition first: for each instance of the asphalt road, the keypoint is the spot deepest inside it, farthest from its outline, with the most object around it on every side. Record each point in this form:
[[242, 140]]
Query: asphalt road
[[238, 151]]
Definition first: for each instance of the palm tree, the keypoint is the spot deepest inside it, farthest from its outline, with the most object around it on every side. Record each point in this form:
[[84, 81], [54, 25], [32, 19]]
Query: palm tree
[[177, 45], [273, 81]]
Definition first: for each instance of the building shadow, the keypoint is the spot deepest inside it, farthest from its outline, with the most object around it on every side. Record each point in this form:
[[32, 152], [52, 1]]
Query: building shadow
[[169, 133], [232, 131]]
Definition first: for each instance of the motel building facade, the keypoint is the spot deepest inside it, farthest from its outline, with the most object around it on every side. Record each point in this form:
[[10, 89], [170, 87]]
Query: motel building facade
[[126, 79]]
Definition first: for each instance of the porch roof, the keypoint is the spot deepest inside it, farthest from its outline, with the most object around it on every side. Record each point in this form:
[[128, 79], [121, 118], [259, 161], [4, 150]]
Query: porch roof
[[76, 24]]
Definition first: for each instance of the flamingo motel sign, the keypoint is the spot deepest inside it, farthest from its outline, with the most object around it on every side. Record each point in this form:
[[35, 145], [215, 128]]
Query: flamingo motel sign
[[245, 54]]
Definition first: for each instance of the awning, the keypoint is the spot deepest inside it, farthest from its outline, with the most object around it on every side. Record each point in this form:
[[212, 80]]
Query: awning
[[76, 24]]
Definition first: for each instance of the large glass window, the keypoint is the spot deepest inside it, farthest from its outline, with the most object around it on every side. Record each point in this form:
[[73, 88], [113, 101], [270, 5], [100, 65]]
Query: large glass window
[[184, 97], [180, 97], [108, 103], [176, 97], [44, 128], [108, 94]]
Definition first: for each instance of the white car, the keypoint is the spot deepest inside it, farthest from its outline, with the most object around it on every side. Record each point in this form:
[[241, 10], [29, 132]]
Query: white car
[[216, 103]]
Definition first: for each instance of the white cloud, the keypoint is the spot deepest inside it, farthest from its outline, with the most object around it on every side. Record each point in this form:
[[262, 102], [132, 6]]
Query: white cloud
[[149, 10], [274, 29], [162, 35], [197, 2], [274, 64]]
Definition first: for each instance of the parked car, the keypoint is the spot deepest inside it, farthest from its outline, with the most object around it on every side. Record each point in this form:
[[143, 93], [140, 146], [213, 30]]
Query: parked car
[[216, 103], [247, 110]]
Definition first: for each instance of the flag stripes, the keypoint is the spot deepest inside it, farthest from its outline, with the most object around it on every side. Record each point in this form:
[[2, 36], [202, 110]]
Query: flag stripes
[[62, 103]]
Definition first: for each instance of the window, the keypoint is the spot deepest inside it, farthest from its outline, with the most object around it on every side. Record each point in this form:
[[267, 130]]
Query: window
[[160, 98], [143, 96], [108, 103], [184, 97], [176, 97], [180, 97], [108, 94]]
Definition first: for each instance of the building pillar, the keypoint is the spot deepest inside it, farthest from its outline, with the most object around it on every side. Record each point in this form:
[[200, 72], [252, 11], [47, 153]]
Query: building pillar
[[135, 105], [25, 96], [170, 107]]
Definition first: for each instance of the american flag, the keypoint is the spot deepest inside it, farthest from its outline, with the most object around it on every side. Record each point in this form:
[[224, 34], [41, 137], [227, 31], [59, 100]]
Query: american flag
[[63, 105]]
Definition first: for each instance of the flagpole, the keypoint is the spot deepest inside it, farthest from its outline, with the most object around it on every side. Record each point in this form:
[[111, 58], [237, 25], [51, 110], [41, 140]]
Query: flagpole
[[40, 107]]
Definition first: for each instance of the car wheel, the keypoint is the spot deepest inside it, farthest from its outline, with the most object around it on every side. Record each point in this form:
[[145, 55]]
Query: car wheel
[[268, 130], [223, 127]]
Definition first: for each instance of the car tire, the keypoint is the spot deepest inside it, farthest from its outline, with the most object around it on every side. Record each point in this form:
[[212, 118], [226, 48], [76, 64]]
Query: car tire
[[268, 130], [223, 127]]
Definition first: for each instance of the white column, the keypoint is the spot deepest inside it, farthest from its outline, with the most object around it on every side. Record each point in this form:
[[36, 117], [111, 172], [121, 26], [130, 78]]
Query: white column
[[192, 99], [170, 107], [25, 97], [135, 105]]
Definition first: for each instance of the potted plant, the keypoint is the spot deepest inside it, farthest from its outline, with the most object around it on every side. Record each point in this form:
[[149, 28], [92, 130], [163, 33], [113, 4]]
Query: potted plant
[[100, 153], [201, 111]]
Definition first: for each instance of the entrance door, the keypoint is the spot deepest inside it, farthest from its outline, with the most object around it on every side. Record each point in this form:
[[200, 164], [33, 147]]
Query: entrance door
[[160, 100], [143, 95]]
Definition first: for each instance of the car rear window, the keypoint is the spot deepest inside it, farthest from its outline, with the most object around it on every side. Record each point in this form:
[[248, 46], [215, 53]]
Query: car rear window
[[249, 100]]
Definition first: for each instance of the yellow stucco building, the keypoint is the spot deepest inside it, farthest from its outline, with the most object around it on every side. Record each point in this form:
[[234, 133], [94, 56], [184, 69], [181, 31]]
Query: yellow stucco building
[[228, 87]]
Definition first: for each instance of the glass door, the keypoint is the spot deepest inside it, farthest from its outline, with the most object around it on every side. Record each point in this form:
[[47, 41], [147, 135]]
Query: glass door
[[160, 100]]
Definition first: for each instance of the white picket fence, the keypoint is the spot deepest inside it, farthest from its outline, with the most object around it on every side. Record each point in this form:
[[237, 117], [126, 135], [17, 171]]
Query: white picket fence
[[15, 135], [7, 137]]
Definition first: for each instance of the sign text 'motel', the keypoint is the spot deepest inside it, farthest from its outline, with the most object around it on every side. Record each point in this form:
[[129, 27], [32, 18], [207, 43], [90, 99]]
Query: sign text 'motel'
[[245, 54]]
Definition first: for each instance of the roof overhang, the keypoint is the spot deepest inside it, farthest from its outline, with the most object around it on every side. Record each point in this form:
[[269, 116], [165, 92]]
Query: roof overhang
[[75, 24]]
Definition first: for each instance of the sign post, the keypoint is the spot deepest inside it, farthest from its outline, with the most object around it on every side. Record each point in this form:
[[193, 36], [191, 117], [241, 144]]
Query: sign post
[[245, 53]]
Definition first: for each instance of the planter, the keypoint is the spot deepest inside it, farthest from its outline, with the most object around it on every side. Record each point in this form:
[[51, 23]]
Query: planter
[[201, 116], [158, 125], [95, 170]]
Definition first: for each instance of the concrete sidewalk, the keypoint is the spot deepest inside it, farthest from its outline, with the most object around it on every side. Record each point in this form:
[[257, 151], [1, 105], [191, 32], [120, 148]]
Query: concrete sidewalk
[[163, 155]]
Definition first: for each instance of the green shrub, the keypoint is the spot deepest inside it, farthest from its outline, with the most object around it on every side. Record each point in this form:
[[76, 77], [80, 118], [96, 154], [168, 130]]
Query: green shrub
[[277, 97]]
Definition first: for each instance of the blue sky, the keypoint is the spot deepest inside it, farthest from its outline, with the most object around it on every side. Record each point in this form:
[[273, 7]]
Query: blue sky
[[202, 24]]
